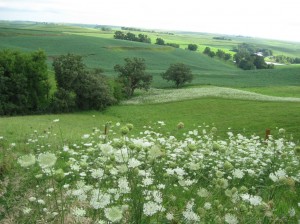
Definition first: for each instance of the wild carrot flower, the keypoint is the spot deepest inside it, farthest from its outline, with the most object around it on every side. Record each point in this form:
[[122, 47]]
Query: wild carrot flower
[[26, 160], [132, 163], [78, 212], [113, 214], [150, 208], [231, 219], [47, 160], [237, 173], [169, 216]]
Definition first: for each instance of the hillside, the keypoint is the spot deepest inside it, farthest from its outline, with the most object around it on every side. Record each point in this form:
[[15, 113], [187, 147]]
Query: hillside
[[99, 49]]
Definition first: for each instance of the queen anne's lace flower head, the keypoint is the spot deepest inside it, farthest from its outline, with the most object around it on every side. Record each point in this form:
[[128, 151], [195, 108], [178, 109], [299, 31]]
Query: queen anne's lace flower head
[[47, 160]]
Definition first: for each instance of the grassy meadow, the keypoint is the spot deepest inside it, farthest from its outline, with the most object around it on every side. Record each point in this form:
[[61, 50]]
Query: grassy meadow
[[191, 155]]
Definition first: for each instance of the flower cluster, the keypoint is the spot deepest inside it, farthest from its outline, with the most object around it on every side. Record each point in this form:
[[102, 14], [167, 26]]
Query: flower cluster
[[156, 178]]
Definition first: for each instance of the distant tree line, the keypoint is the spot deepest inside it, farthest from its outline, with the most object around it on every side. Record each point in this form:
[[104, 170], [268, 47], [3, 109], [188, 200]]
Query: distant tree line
[[131, 28], [286, 60], [160, 41], [141, 30], [220, 54], [249, 57], [252, 49], [25, 89], [103, 28], [248, 61], [222, 38], [132, 37]]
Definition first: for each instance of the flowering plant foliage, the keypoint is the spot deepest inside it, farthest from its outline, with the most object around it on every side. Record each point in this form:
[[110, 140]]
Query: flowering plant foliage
[[157, 178]]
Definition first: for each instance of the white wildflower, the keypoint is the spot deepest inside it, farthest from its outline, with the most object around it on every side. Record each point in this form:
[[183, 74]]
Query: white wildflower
[[132, 163], [26, 160], [157, 197], [123, 185], [26, 210], [150, 208], [106, 149], [231, 219], [78, 212], [85, 136], [32, 199], [253, 200], [179, 171], [161, 186], [99, 199], [202, 192], [190, 216], [147, 181], [97, 173], [113, 214], [237, 173], [207, 205], [169, 216], [278, 175], [47, 160], [292, 212], [41, 201]]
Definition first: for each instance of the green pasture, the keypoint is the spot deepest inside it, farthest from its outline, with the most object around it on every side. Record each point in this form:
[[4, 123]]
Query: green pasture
[[99, 49], [241, 116]]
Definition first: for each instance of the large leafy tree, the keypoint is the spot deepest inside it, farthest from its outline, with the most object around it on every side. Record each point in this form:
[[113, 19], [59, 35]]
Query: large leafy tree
[[67, 69], [92, 91], [24, 85], [160, 41], [79, 88], [192, 47], [178, 73], [133, 75]]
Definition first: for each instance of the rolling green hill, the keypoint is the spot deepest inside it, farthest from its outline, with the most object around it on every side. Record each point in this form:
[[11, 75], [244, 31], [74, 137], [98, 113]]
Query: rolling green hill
[[99, 49]]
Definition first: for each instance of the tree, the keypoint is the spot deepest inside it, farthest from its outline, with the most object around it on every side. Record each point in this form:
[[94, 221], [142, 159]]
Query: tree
[[92, 91], [67, 68], [220, 54], [209, 52], [119, 35], [160, 41], [178, 73], [132, 75], [259, 62], [24, 85], [192, 47], [131, 37], [227, 56], [79, 88], [144, 38]]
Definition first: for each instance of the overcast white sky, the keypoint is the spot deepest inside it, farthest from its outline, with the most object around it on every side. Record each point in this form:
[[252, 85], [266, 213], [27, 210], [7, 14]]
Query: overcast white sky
[[276, 19]]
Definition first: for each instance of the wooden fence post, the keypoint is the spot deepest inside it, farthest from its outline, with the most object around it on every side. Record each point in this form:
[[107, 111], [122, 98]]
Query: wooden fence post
[[268, 132]]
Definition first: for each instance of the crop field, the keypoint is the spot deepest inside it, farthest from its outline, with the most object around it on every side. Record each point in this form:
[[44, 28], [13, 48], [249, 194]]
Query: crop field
[[198, 154]]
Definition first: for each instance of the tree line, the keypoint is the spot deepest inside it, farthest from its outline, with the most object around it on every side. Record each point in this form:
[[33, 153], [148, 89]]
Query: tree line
[[160, 41], [286, 60], [25, 87], [132, 37], [220, 54], [245, 58]]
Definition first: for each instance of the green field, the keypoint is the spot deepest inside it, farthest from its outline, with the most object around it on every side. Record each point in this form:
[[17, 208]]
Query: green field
[[99, 49], [169, 155]]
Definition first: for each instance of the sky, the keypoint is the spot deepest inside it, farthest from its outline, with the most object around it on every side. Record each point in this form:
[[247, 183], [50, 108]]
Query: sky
[[272, 19]]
